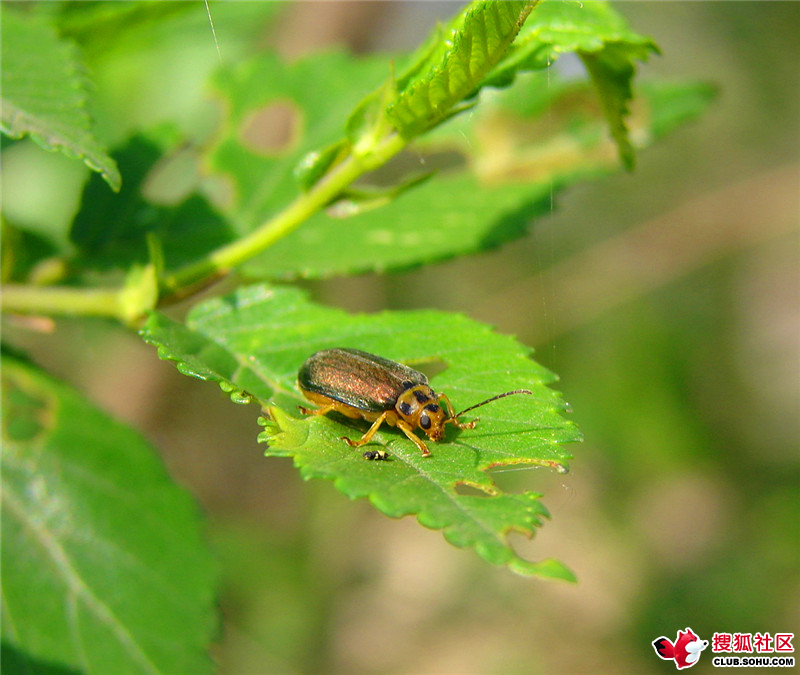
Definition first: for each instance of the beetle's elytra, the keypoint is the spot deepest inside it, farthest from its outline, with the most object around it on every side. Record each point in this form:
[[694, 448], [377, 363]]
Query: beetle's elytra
[[360, 385]]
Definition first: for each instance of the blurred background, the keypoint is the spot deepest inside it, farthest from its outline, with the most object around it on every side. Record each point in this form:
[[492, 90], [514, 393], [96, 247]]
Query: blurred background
[[667, 301]]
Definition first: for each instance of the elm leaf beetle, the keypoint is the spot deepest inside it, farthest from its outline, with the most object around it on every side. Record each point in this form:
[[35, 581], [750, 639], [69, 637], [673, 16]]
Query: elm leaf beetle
[[360, 385]]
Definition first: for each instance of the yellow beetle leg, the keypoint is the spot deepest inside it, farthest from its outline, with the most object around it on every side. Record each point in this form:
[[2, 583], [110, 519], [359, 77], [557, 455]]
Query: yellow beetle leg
[[451, 414], [367, 436], [409, 431], [324, 410]]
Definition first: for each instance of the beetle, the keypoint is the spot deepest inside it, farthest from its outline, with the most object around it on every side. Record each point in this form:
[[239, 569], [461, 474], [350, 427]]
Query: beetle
[[360, 385]]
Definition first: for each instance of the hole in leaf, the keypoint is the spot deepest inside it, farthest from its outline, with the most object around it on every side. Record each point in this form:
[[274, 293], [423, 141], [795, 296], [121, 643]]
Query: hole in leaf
[[220, 190], [172, 178], [518, 478], [529, 477], [471, 491], [272, 129]]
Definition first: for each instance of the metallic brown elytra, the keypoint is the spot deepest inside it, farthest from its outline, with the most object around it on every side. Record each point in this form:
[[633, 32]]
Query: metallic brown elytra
[[364, 386]]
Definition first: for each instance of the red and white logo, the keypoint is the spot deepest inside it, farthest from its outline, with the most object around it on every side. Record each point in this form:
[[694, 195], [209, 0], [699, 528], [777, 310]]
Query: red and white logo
[[685, 651]]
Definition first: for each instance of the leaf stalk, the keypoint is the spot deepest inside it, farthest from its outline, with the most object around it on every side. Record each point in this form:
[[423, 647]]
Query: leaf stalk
[[219, 262]]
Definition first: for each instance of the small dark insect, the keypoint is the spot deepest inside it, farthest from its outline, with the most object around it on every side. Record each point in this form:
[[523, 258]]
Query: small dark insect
[[364, 386]]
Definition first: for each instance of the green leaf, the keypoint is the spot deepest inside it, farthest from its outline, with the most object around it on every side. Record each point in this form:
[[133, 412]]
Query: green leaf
[[110, 230], [612, 74], [21, 251], [478, 198], [605, 44], [44, 93], [100, 26], [276, 114], [104, 569], [498, 170], [357, 199], [558, 27], [675, 103], [316, 163], [453, 68], [451, 214], [255, 340]]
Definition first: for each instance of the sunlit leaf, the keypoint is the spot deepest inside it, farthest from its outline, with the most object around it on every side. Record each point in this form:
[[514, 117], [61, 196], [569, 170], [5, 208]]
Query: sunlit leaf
[[496, 172], [254, 342], [44, 94], [454, 69], [104, 570]]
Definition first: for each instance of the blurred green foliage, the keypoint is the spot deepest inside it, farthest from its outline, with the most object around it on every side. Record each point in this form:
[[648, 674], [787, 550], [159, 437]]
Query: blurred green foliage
[[683, 508]]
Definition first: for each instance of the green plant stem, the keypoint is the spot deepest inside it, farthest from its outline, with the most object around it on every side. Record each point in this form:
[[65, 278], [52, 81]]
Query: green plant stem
[[49, 300], [223, 259], [62, 300]]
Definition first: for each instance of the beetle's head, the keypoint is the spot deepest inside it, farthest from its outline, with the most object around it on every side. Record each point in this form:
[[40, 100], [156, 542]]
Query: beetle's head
[[418, 405]]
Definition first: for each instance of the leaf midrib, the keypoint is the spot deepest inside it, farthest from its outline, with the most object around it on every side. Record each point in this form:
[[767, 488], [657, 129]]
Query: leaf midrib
[[77, 587]]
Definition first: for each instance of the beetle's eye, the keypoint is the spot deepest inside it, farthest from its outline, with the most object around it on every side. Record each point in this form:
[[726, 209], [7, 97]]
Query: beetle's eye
[[425, 421]]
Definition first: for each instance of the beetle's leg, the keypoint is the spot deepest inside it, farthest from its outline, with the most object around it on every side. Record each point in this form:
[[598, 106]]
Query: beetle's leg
[[324, 410], [367, 437], [408, 431], [404, 426], [451, 414]]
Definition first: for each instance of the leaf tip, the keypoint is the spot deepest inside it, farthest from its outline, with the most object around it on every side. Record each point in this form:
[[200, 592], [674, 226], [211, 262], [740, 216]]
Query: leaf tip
[[549, 568]]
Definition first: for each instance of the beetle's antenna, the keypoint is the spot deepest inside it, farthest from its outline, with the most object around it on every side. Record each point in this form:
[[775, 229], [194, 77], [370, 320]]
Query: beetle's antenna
[[494, 398]]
